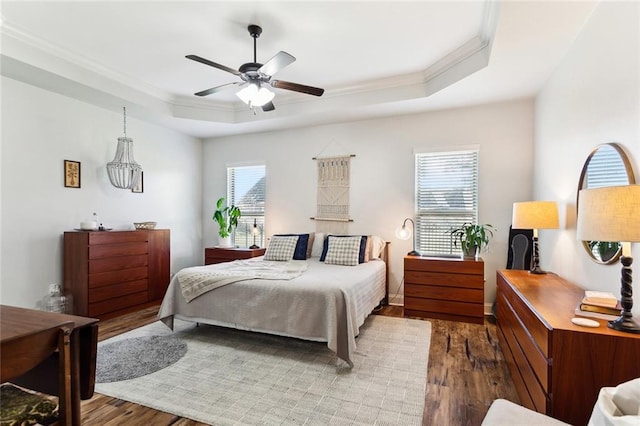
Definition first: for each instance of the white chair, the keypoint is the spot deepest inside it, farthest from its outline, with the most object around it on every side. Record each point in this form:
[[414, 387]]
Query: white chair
[[615, 406]]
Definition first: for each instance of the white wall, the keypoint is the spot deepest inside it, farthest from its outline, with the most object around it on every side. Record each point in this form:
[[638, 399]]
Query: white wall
[[592, 98], [382, 180], [40, 129]]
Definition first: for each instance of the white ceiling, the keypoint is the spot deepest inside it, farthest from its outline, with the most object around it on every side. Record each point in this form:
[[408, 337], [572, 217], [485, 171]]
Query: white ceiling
[[373, 58]]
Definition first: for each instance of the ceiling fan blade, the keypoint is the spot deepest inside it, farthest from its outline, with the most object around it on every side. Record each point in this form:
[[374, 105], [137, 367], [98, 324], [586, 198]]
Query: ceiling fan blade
[[287, 85], [275, 64], [212, 64], [268, 107], [216, 89]]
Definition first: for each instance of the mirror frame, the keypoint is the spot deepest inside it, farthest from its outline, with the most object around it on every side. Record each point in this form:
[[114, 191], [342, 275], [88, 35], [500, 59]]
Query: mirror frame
[[631, 181]]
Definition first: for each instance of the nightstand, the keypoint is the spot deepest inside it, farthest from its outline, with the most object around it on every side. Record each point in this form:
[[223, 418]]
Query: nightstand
[[444, 288], [229, 254]]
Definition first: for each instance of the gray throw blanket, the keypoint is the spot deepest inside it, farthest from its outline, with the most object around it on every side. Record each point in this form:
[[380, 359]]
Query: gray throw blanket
[[198, 280]]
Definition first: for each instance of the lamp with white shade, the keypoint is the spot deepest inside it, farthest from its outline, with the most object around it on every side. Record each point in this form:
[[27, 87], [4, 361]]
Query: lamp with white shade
[[613, 214], [405, 233], [255, 95], [535, 215]]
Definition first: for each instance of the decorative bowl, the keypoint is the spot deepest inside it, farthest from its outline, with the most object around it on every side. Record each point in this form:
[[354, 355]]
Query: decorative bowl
[[145, 225]]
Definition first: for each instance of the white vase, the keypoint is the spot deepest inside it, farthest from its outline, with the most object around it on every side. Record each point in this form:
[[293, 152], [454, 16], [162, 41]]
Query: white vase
[[224, 241]]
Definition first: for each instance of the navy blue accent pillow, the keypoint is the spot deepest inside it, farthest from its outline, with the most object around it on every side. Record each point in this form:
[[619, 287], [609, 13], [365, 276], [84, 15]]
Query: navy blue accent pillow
[[363, 246], [300, 253]]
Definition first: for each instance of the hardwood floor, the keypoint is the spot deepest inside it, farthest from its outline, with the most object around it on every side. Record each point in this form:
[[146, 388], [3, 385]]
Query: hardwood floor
[[466, 372]]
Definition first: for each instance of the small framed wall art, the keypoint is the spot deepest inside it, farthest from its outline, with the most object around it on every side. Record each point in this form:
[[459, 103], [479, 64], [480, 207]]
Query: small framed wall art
[[139, 188], [71, 174]]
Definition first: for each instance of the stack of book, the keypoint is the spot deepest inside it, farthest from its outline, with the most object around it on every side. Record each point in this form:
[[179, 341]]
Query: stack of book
[[599, 304]]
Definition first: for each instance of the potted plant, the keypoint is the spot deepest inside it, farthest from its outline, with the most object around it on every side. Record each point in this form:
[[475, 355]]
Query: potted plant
[[472, 238], [227, 218]]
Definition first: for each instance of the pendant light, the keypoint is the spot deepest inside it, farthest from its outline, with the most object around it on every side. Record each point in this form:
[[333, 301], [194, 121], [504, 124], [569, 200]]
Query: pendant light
[[123, 171]]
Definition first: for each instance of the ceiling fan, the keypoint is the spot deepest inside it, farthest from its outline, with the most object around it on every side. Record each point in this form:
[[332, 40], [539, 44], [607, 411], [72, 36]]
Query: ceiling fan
[[256, 76]]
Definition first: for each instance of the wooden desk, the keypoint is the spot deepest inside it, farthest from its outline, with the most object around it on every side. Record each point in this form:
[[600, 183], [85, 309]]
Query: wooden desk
[[16, 321]]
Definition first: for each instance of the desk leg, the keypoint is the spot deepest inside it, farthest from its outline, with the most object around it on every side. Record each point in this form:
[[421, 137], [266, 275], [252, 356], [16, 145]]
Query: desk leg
[[76, 407], [84, 350]]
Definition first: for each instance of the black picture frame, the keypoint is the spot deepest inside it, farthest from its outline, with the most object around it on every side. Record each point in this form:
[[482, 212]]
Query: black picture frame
[[139, 188]]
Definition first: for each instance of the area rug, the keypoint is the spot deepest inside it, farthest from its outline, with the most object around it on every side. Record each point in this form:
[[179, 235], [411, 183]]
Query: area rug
[[137, 356], [231, 377]]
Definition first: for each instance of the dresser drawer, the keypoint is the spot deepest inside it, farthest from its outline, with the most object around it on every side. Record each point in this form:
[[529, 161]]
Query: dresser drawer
[[117, 250], [97, 238], [536, 329], [117, 263], [99, 294], [444, 307], [116, 277], [112, 305], [442, 279], [529, 390], [470, 295], [540, 366], [447, 266]]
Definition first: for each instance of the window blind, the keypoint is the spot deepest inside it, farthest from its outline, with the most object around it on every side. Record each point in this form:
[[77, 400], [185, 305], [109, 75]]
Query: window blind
[[446, 197], [246, 190], [606, 168]]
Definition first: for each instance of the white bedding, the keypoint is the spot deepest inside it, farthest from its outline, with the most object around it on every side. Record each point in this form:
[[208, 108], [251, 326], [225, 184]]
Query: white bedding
[[326, 303]]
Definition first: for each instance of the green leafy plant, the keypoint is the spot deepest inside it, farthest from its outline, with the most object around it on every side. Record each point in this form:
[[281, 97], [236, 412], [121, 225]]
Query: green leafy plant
[[227, 217], [472, 237]]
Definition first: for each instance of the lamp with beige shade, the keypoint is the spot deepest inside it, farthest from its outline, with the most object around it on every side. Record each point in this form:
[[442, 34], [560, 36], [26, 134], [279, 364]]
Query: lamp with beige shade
[[613, 214], [535, 215]]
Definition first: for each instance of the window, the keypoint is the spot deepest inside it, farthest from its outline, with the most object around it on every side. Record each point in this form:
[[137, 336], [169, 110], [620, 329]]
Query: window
[[245, 189], [446, 197]]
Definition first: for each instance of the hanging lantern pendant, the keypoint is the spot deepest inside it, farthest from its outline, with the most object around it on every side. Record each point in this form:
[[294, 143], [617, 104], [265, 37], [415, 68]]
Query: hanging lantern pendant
[[123, 171]]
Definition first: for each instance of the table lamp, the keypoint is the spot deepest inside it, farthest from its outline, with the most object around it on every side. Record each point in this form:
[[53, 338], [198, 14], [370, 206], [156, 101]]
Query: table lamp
[[612, 214], [405, 233], [535, 215], [254, 232]]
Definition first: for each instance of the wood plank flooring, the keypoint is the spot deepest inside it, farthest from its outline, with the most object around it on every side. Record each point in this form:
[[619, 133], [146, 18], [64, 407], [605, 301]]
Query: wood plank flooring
[[466, 373]]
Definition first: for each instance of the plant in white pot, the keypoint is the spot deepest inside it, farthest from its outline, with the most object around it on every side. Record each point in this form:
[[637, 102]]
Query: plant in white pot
[[227, 218], [472, 238]]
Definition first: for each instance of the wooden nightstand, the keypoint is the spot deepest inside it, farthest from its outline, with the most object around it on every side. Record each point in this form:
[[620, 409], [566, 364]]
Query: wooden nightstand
[[228, 254], [444, 288]]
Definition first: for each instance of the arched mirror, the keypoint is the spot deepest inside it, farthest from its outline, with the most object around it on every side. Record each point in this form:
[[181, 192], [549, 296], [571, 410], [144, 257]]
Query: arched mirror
[[607, 165]]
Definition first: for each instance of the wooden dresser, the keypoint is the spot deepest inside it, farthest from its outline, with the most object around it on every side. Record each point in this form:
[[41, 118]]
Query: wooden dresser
[[557, 367], [229, 254], [444, 288], [111, 273]]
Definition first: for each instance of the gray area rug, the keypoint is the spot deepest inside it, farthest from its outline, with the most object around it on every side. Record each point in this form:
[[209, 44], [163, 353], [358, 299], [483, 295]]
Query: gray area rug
[[231, 377], [137, 356]]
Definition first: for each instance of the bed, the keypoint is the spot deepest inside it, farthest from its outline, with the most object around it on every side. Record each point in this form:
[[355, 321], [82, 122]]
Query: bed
[[326, 302]]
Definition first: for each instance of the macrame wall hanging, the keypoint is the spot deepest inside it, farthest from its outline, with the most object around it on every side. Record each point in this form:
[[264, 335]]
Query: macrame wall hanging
[[332, 215]]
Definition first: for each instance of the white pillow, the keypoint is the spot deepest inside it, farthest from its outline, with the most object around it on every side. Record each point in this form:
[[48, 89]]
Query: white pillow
[[318, 242], [627, 397], [281, 248], [377, 247], [617, 406], [343, 251]]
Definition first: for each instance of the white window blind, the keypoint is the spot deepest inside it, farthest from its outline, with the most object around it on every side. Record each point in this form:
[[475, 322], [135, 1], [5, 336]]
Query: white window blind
[[606, 168], [246, 190], [446, 197]]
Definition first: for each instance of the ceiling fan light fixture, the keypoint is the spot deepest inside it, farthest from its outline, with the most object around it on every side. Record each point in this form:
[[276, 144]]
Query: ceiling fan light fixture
[[254, 95]]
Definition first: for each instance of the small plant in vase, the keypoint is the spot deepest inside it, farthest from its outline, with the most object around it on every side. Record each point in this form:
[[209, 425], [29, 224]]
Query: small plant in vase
[[227, 218], [472, 238]]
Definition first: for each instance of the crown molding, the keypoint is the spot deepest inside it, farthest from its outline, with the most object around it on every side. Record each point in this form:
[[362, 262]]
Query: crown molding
[[75, 75], [8, 29]]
